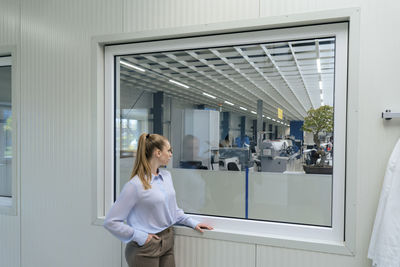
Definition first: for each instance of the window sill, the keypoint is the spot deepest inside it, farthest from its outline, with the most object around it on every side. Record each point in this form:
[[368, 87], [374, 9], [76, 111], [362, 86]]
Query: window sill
[[268, 240], [256, 239], [7, 206]]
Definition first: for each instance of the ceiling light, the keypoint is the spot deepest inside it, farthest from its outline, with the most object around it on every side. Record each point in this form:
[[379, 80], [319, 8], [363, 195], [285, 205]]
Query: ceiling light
[[178, 83], [268, 118], [263, 116], [229, 103], [273, 119], [253, 112], [214, 97], [320, 85], [319, 65], [243, 108], [131, 66], [277, 121]]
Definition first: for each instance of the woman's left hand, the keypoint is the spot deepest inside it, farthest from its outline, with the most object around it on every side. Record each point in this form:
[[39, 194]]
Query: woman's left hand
[[202, 226]]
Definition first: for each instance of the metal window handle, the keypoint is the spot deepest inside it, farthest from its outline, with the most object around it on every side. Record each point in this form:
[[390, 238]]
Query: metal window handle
[[388, 115]]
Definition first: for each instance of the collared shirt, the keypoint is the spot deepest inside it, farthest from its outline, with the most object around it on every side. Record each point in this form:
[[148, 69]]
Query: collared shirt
[[145, 211]]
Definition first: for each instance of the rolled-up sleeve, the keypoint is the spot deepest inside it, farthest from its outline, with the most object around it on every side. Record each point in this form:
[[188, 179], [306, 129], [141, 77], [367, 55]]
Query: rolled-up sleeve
[[184, 219], [117, 215]]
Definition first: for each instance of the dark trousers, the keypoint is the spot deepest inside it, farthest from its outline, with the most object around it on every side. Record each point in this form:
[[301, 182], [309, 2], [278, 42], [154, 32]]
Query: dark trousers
[[155, 253]]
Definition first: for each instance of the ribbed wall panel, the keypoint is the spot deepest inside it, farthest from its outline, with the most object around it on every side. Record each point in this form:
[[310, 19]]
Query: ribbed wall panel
[[9, 22], [200, 252], [284, 7], [9, 224], [56, 133], [142, 15], [281, 257], [55, 126]]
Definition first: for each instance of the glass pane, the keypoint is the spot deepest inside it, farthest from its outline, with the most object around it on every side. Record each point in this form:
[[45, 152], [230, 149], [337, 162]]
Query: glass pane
[[287, 197], [261, 113], [5, 132], [199, 192]]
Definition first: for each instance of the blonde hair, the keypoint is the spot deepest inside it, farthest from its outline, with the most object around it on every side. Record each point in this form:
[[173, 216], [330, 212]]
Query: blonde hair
[[146, 146]]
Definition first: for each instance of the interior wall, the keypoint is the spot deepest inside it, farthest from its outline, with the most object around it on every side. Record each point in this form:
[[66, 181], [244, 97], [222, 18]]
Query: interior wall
[[56, 184], [9, 224], [53, 38]]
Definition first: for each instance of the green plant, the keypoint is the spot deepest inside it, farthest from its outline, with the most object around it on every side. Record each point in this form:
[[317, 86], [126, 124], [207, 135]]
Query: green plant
[[317, 121]]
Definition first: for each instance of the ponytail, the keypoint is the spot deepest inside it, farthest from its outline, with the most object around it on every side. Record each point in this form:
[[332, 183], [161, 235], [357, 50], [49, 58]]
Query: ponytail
[[146, 146]]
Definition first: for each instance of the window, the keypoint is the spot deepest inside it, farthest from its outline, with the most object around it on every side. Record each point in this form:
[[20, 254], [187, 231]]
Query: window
[[235, 108], [7, 136]]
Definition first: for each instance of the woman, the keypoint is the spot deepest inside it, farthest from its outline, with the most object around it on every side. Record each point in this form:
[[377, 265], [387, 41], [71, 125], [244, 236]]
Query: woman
[[148, 204]]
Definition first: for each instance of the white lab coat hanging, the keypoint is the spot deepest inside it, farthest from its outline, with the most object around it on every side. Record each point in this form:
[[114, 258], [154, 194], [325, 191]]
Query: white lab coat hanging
[[384, 248]]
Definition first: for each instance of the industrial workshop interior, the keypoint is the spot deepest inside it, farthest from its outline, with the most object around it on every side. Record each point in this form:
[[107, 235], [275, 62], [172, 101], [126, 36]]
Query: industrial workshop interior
[[283, 119]]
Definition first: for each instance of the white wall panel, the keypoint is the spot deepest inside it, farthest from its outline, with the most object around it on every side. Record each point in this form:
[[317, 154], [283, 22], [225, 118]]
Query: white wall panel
[[10, 21], [9, 225], [274, 256], [142, 15], [55, 151], [285, 7], [56, 133], [200, 252]]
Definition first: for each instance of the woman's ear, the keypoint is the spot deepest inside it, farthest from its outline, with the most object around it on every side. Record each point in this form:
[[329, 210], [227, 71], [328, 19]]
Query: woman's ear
[[157, 153]]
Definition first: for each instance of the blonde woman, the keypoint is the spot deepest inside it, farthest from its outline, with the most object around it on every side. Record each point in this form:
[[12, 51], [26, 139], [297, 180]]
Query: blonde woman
[[148, 204]]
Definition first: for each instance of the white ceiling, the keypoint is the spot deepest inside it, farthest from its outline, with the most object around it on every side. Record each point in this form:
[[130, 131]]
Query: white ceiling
[[284, 75]]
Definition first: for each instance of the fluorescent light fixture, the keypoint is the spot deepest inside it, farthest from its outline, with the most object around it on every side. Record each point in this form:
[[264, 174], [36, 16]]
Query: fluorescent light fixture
[[319, 65], [320, 85], [131, 66], [213, 97], [229, 103], [243, 108], [277, 121], [281, 122], [263, 116], [253, 112], [268, 118], [273, 119], [178, 83]]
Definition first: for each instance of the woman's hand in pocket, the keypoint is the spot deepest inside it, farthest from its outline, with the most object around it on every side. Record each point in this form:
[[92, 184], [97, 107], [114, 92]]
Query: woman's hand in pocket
[[150, 236]]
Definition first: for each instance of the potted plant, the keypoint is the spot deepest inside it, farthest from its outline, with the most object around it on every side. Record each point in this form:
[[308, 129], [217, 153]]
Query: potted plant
[[317, 121]]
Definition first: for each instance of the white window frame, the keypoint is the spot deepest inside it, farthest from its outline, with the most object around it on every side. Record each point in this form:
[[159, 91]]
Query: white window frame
[[276, 234], [8, 57]]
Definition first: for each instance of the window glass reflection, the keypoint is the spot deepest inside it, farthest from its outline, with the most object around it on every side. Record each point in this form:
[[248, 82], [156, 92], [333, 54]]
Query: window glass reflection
[[261, 113]]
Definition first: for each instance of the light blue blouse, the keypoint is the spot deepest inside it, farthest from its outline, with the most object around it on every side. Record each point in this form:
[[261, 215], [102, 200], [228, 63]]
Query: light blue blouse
[[145, 211]]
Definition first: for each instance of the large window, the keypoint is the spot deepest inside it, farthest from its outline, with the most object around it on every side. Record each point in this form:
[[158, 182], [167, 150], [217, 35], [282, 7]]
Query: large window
[[6, 129], [256, 119]]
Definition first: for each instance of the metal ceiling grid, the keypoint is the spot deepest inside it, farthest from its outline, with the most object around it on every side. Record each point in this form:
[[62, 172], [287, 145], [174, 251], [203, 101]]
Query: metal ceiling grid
[[284, 75]]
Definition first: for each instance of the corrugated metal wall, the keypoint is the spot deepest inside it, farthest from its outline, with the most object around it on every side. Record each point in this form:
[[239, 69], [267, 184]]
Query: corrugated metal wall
[[56, 181], [54, 40], [9, 225]]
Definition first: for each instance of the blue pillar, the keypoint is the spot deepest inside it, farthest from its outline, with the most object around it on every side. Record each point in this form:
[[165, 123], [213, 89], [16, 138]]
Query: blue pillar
[[242, 126], [225, 124], [255, 130], [295, 130], [158, 111]]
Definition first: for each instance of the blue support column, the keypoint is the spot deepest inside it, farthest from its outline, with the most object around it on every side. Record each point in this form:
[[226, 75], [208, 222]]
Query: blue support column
[[158, 112], [255, 129], [295, 130], [225, 124], [242, 126]]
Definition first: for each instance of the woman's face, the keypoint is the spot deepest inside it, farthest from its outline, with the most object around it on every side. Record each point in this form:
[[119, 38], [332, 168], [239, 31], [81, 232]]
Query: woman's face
[[165, 154]]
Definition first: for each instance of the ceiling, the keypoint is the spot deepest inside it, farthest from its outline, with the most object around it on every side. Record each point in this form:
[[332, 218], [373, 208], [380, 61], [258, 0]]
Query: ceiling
[[283, 75]]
